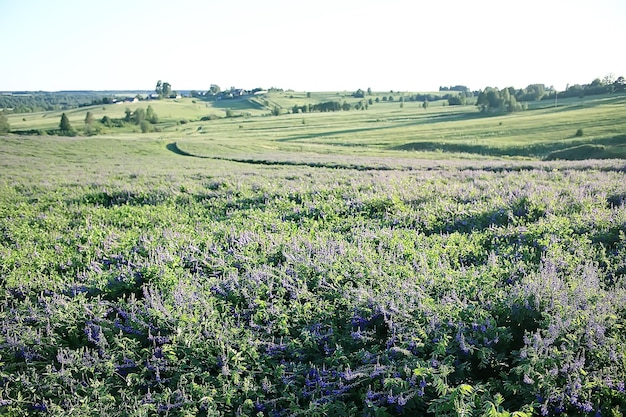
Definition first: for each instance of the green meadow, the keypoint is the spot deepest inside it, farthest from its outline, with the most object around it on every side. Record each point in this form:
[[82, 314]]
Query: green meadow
[[388, 129], [391, 261]]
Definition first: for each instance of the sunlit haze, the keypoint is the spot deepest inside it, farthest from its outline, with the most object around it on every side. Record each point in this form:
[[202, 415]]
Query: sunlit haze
[[312, 46]]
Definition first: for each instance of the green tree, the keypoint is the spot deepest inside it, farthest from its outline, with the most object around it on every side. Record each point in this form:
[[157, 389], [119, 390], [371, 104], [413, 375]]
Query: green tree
[[139, 115], [89, 118], [425, 104], [106, 120], [214, 90], [5, 127], [151, 116], [128, 115], [145, 126], [167, 89], [65, 127], [89, 128]]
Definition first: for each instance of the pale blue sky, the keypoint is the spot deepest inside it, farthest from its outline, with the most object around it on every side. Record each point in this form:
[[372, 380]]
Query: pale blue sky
[[308, 45]]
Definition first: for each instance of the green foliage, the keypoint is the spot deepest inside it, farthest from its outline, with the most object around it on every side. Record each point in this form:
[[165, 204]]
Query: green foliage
[[89, 118], [579, 133], [138, 116], [163, 89], [151, 116], [51, 101], [492, 99], [174, 285], [65, 127], [5, 127], [145, 126]]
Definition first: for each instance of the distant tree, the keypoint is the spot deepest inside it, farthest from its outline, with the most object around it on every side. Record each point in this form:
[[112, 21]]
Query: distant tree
[[128, 115], [145, 126], [492, 99], [106, 120], [163, 89], [369, 91], [425, 104], [151, 116], [359, 93], [370, 101], [402, 102], [533, 92], [456, 100], [139, 116], [65, 127], [214, 90], [5, 127], [512, 104], [167, 89], [390, 98], [89, 128], [619, 85]]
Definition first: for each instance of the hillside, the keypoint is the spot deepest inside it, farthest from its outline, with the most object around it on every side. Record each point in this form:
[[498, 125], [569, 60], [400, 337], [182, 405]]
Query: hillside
[[575, 129]]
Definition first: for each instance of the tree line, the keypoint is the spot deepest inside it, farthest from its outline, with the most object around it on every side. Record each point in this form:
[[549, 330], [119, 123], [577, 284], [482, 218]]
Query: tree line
[[510, 99], [30, 102]]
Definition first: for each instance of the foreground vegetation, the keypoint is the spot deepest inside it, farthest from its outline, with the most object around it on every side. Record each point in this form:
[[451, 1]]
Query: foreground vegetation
[[394, 261]]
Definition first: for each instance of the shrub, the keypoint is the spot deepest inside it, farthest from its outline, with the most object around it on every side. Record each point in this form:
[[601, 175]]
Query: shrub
[[145, 126]]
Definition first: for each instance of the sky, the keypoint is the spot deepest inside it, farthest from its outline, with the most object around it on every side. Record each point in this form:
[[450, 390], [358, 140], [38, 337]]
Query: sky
[[321, 45]]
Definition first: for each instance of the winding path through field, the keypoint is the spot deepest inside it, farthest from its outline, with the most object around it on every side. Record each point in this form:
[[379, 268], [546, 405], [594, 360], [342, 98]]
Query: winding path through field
[[173, 147], [496, 166]]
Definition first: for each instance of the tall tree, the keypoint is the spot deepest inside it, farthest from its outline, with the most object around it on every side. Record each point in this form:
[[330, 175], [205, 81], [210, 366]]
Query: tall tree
[[139, 115], [151, 116], [64, 126], [167, 89], [4, 124], [89, 118]]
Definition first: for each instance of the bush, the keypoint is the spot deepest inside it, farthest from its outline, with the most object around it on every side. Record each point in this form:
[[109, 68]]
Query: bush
[[579, 133], [145, 126]]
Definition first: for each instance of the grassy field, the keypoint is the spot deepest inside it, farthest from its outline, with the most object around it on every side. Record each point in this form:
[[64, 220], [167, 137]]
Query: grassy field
[[394, 261], [385, 128]]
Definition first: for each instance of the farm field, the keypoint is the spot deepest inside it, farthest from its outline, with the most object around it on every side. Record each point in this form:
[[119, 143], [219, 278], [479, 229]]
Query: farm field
[[395, 261]]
